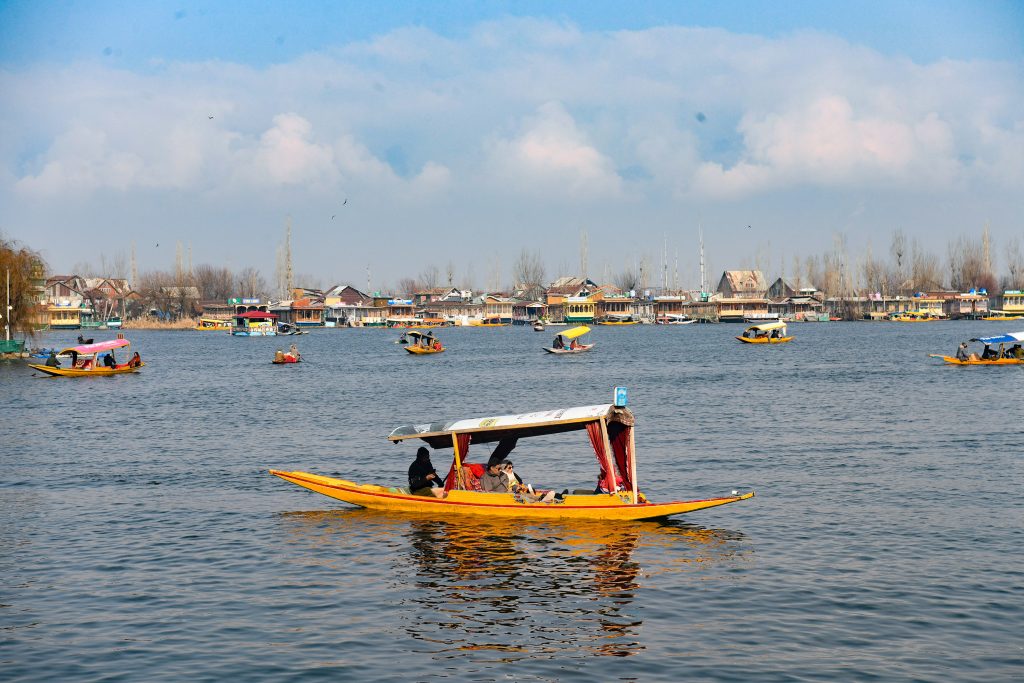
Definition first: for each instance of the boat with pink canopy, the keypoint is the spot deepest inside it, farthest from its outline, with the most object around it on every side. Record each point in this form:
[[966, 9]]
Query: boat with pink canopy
[[91, 360]]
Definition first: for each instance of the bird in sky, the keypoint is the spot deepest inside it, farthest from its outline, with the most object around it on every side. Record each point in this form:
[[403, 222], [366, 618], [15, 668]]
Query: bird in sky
[[332, 217], [158, 244], [209, 117], [345, 202], [748, 227]]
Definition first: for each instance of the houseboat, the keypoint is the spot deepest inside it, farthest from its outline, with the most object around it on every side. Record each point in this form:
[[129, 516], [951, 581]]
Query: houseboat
[[255, 324]]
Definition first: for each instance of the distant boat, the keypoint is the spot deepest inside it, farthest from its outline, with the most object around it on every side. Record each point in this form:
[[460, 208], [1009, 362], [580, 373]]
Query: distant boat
[[559, 346], [538, 326], [768, 333]]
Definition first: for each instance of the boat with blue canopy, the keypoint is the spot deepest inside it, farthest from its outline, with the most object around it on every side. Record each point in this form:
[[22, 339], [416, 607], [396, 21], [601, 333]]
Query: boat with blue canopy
[[1002, 349]]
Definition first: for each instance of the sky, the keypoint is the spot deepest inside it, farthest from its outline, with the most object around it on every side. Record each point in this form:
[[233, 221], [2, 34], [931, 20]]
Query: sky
[[402, 136]]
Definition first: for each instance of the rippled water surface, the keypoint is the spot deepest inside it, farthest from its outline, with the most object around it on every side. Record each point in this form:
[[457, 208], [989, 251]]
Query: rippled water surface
[[141, 537]]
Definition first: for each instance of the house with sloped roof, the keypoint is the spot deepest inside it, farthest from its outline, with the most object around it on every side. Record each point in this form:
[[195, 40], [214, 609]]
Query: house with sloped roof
[[743, 295]]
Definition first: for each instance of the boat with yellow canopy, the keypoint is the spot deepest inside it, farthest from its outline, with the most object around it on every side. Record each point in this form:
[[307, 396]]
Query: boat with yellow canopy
[[609, 429], [566, 342], [421, 344], [1009, 351], [212, 324], [86, 360], [766, 333], [490, 321]]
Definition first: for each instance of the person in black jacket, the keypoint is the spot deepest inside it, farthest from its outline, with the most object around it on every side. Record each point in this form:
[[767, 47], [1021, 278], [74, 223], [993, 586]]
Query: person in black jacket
[[423, 479]]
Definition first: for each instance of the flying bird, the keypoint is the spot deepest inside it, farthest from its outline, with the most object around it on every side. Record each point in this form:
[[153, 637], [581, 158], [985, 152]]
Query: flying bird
[[332, 217], [701, 118], [345, 202], [209, 117], [748, 227], [158, 244]]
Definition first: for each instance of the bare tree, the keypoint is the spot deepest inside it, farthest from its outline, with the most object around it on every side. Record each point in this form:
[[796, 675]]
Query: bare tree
[[24, 265], [430, 278], [251, 283], [925, 272], [1014, 278], [214, 283], [408, 286], [627, 279], [898, 249], [528, 271]]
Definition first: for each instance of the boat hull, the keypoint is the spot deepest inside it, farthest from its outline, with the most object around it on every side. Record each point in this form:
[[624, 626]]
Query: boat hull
[[582, 349], [765, 340], [595, 507], [1001, 361], [420, 351], [78, 372]]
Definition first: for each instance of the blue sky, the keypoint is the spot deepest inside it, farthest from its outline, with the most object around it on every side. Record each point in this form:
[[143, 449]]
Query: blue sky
[[466, 131]]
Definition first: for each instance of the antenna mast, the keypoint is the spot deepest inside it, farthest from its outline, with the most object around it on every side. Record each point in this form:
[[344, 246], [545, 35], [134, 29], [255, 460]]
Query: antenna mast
[[703, 278], [288, 257], [583, 255]]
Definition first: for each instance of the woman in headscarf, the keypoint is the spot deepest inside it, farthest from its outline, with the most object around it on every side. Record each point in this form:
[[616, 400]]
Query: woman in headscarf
[[423, 479]]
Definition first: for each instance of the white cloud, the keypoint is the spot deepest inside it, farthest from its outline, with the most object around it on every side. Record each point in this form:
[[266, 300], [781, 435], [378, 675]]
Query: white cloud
[[551, 155]]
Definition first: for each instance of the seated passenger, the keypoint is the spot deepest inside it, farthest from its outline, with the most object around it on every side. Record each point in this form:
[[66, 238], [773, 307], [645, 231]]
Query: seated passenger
[[558, 344], [1016, 352], [423, 479], [494, 479], [516, 485], [108, 361], [961, 351], [989, 353], [279, 356], [136, 361]]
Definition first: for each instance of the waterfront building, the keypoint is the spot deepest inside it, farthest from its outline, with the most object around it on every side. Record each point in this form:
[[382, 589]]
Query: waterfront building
[[743, 296], [795, 304], [498, 307], [526, 312], [1011, 303]]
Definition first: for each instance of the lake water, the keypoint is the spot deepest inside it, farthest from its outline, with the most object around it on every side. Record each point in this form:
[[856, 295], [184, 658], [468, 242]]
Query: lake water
[[141, 537]]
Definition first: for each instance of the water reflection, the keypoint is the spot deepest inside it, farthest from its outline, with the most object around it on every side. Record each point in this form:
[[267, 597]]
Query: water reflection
[[507, 589]]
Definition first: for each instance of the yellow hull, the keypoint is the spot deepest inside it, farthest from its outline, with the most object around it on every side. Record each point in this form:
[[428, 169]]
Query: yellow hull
[[419, 350], [595, 507], [765, 340], [77, 372], [1004, 317], [1002, 361], [489, 325], [631, 322]]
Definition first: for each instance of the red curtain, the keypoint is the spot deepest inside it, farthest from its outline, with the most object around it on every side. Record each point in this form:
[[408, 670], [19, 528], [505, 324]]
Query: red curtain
[[597, 441], [620, 447], [453, 480]]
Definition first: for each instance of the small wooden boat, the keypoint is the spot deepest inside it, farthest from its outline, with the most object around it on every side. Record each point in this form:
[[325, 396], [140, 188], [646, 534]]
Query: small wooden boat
[[286, 359], [768, 333], [421, 344], [86, 361], [674, 319], [538, 326], [1005, 354], [212, 325], [565, 342], [618, 320], [493, 321], [610, 432]]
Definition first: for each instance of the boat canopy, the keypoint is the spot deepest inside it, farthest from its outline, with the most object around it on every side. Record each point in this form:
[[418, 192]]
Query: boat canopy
[[777, 325], [425, 335], [574, 332], [609, 430], [98, 347], [1002, 339], [491, 429]]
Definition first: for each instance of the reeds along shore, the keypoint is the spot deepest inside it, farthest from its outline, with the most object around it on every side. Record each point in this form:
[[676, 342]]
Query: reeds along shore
[[156, 324]]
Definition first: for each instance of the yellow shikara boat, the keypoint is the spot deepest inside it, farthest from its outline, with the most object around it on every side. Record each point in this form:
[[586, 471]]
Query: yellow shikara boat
[[89, 364], [767, 333], [1004, 355], [494, 321], [610, 432], [422, 344], [212, 324], [565, 341]]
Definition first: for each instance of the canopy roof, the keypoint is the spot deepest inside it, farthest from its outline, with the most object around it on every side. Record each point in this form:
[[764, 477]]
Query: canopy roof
[[414, 333], [491, 429], [1002, 339], [769, 326], [98, 347], [257, 315], [574, 332]]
